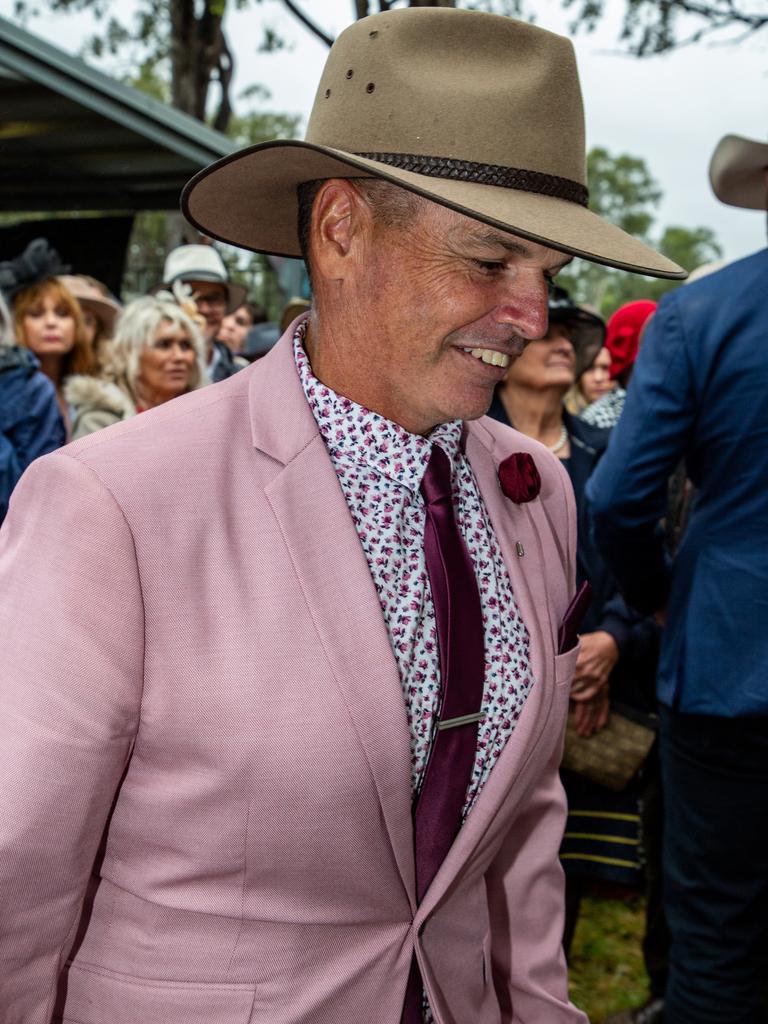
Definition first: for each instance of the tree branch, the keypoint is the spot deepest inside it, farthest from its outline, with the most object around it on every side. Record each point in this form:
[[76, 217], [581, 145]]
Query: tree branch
[[308, 23], [648, 26], [727, 11], [225, 67]]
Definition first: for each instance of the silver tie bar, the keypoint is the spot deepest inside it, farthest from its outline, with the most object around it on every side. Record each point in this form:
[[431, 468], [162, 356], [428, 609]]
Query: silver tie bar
[[451, 723]]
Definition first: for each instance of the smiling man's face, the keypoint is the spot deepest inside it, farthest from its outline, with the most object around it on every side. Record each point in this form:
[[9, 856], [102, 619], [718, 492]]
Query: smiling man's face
[[450, 302]]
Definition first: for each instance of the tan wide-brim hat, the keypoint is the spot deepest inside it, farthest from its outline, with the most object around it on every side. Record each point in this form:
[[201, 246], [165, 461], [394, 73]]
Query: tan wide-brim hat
[[475, 111], [102, 306], [737, 172]]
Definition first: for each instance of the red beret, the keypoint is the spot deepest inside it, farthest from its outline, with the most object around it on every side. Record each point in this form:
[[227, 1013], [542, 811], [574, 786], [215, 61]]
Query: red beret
[[622, 338]]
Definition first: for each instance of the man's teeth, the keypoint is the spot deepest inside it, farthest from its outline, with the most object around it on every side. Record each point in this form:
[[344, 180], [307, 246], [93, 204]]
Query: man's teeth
[[488, 355]]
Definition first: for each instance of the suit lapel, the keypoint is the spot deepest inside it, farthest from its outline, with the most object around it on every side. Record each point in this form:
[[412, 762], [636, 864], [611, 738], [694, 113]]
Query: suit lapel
[[309, 505], [512, 524], [341, 598]]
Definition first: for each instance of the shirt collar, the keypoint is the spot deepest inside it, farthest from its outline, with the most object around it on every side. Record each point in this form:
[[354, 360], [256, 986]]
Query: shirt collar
[[352, 432]]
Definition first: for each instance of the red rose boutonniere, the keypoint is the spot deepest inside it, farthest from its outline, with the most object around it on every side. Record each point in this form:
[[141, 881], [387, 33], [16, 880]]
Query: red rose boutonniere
[[519, 477]]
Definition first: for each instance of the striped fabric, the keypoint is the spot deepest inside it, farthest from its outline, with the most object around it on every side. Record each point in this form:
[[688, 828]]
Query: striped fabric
[[602, 835]]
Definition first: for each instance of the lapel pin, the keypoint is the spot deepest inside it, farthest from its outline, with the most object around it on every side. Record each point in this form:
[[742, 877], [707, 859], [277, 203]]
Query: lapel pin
[[520, 549]]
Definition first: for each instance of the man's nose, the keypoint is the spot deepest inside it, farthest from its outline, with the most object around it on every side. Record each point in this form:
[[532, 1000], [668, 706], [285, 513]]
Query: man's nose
[[524, 304]]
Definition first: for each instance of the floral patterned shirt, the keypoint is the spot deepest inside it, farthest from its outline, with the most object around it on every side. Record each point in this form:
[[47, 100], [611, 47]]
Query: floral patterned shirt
[[380, 465]]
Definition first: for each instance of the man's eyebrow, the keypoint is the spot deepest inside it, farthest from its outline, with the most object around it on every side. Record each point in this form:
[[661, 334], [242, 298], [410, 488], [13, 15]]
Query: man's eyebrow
[[515, 246]]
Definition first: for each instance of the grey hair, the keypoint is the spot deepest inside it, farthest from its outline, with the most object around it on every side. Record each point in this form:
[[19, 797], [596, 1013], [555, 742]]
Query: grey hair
[[136, 329], [391, 205], [7, 339]]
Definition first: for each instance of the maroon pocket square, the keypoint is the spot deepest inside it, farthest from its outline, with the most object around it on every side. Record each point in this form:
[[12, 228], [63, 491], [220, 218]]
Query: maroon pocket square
[[568, 633]]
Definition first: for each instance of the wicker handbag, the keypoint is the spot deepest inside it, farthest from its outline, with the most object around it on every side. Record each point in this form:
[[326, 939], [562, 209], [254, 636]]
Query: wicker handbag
[[612, 756]]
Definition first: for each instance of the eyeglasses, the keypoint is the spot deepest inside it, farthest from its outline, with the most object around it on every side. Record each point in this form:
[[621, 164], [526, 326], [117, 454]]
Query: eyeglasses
[[214, 299]]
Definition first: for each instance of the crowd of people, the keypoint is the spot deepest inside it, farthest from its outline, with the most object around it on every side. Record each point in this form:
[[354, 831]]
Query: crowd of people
[[74, 360], [317, 633]]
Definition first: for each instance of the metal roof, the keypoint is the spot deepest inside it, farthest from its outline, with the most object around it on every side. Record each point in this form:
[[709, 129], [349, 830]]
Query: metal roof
[[72, 138]]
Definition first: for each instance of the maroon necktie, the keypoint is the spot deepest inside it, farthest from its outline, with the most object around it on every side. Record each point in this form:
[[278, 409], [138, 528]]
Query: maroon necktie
[[461, 641]]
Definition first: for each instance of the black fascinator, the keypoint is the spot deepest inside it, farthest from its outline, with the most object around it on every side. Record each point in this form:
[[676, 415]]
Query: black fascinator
[[37, 263]]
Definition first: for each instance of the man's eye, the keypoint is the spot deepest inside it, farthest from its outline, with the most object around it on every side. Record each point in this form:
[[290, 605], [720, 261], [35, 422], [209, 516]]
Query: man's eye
[[489, 266]]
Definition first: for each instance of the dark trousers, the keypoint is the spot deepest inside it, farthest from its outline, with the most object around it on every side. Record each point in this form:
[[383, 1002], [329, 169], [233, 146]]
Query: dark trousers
[[656, 938], [715, 777]]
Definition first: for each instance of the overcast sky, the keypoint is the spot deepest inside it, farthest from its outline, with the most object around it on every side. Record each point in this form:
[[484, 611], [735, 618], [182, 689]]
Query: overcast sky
[[669, 110]]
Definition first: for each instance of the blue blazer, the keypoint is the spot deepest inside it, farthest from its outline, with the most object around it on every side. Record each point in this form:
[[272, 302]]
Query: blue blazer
[[699, 391]]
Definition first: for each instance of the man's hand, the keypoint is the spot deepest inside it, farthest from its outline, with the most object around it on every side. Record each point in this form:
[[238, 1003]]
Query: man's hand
[[589, 689]]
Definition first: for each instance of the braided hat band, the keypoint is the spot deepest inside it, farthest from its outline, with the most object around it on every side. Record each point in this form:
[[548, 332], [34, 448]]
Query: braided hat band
[[485, 174]]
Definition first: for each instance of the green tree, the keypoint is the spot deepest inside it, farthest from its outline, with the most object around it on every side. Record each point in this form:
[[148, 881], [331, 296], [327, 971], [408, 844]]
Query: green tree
[[690, 247], [258, 125], [648, 26], [656, 26], [624, 192]]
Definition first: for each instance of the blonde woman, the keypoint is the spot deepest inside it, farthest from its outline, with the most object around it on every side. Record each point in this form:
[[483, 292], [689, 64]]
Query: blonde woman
[[158, 354]]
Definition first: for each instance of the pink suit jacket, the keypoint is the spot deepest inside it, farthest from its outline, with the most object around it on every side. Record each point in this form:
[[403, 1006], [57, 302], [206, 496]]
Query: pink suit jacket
[[198, 694]]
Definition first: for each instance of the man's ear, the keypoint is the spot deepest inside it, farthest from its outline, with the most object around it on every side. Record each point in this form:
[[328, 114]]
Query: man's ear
[[341, 228]]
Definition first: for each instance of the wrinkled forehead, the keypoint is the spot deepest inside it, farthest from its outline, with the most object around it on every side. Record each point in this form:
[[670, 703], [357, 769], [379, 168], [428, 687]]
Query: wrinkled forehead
[[477, 233]]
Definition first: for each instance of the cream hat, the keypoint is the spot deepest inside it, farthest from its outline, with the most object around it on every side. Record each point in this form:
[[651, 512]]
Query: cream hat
[[475, 111], [737, 172], [200, 263]]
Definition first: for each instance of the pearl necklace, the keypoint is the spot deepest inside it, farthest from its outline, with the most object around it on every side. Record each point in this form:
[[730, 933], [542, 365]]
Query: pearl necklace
[[561, 442]]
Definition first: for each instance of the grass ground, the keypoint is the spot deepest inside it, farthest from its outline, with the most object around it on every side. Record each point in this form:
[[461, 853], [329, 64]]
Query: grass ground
[[606, 969]]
